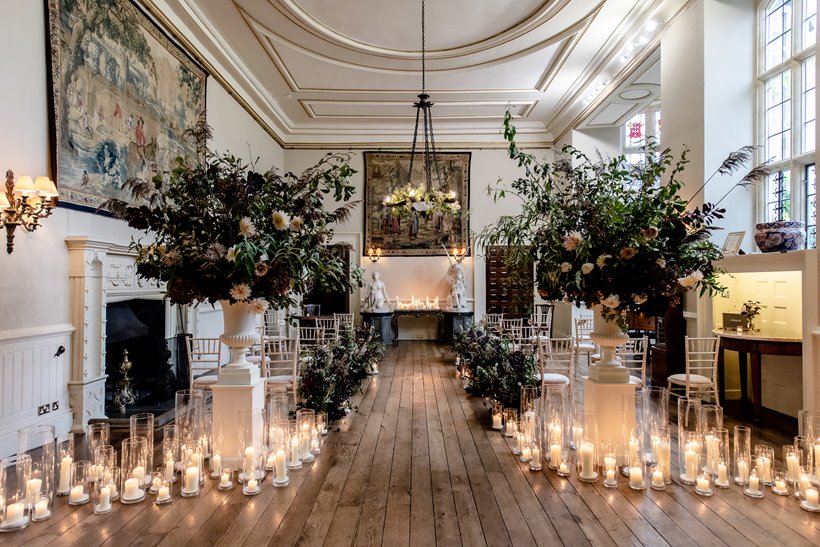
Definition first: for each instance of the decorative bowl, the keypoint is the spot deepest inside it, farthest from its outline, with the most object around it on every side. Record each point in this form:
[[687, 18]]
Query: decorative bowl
[[780, 236]]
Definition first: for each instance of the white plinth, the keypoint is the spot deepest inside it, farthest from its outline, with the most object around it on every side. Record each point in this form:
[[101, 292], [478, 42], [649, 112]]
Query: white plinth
[[228, 401], [607, 401]]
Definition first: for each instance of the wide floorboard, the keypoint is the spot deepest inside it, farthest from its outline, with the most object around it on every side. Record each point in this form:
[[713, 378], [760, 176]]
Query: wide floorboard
[[416, 464]]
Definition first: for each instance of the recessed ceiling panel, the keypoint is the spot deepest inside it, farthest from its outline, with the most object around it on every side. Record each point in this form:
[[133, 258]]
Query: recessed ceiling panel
[[404, 110], [611, 113]]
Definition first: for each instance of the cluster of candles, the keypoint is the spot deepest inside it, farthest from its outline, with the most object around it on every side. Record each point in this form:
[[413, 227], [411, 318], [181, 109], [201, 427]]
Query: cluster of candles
[[29, 481], [704, 453], [418, 304]]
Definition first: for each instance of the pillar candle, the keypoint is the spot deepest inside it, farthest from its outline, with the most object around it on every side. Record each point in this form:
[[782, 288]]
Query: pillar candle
[[105, 499], [132, 487], [250, 453], [665, 459], [169, 469], [41, 509], [225, 480], [792, 467], [252, 485], [811, 497], [294, 448], [703, 484], [691, 461], [191, 479], [279, 467], [587, 453], [14, 514], [536, 454], [139, 473], [163, 494], [526, 453], [34, 487], [65, 474], [779, 485], [754, 483], [555, 453], [742, 470], [216, 463], [712, 443], [496, 421], [657, 478], [610, 475], [563, 468], [722, 473], [764, 466], [635, 477], [77, 493]]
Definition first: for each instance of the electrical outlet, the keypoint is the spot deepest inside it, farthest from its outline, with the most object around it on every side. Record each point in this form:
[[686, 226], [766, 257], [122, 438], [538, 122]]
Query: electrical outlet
[[43, 409], [55, 405]]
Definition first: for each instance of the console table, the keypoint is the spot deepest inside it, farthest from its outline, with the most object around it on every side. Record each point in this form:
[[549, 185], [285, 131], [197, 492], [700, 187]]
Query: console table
[[755, 344], [438, 314], [382, 323]]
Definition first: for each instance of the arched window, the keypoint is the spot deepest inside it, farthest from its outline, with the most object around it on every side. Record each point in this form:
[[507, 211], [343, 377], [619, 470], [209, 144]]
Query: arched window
[[786, 110]]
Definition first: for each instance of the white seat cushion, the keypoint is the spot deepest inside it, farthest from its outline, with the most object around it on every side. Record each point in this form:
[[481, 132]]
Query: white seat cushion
[[636, 380], [585, 346], [693, 379], [553, 378], [281, 379], [206, 380]]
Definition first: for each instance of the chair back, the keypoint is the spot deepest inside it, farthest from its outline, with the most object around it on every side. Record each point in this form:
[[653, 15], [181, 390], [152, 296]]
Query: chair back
[[310, 337], [511, 328], [493, 320], [702, 357], [583, 328], [343, 319], [556, 356], [542, 318], [329, 326], [633, 356], [274, 323], [204, 355], [280, 357]]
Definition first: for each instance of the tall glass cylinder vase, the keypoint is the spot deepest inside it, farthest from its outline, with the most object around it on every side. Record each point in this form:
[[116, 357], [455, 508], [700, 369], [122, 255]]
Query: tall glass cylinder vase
[[689, 459], [192, 473], [656, 412], [170, 452], [586, 448], [717, 462], [793, 461], [189, 410], [742, 454], [142, 425], [306, 421], [529, 402], [660, 442], [96, 435], [711, 417], [134, 461], [634, 441], [15, 473], [252, 443], [65, 458], [689, 429], [39, 443], [80, 492], [764, 462]]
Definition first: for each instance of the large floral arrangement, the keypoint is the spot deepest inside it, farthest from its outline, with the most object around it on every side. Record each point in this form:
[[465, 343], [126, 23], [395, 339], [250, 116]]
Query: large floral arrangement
[[222, 231], [604, 232]]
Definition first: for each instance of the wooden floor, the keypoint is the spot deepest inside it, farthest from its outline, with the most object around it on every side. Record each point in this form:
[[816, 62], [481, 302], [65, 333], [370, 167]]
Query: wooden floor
[[416, 465]]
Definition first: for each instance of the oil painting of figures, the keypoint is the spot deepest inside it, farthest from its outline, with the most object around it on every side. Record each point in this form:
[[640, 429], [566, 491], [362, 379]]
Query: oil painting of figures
[[123, 96], [404, 216]]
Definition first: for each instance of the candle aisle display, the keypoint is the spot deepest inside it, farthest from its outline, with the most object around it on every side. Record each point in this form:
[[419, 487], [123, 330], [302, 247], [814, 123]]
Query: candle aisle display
[[79, 493], [658, 481], [133, 461], [636, 478], [15, 473], [793, 457], [510, 422], [321, 420], [163, 492], [66, 459], [754, 489], [190, 482], [170, 451], [703, 486], [780, 486], [102, 498], [535, 457], [142, 425], [764, 458], [225, 479], [38, 443], [497, 413], [280, 468], [691, 457]]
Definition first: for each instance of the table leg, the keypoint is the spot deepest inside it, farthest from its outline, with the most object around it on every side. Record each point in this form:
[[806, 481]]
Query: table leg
[[756, 388], [394, 323], [741, 365]]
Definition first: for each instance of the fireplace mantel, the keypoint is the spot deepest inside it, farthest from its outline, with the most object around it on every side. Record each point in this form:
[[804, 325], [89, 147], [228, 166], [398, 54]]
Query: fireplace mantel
[[99, 272]]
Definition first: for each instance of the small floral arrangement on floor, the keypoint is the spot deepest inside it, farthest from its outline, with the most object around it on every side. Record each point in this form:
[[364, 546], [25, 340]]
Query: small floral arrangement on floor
[[750, 309], [222, 231], [604, 232]]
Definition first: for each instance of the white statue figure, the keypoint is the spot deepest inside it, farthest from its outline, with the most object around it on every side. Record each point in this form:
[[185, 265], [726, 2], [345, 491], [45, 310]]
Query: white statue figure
[[377, 299], [457, 299]]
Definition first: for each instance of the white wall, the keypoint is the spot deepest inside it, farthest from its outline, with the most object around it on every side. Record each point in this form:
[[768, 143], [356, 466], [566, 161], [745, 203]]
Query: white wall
[[426, 276], [34, 285]]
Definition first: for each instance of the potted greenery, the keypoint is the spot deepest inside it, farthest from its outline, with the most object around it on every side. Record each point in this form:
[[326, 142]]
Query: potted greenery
[[749, 310]]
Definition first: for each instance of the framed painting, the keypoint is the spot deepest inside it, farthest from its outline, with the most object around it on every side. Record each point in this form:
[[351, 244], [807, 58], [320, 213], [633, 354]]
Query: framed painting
[[402, 217], [123, 95], [732, 244]]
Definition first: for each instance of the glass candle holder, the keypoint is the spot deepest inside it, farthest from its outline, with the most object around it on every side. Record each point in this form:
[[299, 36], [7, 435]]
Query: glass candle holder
[[189, 409], [632, 444], [781, 484], [555, 440], [529, 396], [586, 456], [205, 435], [690, 457], [321, 422], [793, 461], [305, 421], [103, 501], [658, 481], [639, 474], [536, 458], [133, 466], [251, 486], [65, 459], [742, 455], [96, 435], [112, 478], [39, 443], [105, 458], [80, 492], [252, 454], [805, 445], [142, 425], [170, 452], [278, 435], [163, 491], [497, 416], [661, 448], [14, 475], [280, 472], [703, 484], [805, 481], [656, 409], [294, 446], [764, 462], [755, 486], [711, 417], [225, 478], [510, 422], [689, 430], [193, 468], [609, 450], [564, 469], [712, 446], [156, 482], [808, 493]]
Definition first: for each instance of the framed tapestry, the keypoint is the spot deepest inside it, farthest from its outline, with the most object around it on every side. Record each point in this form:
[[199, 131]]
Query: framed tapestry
[[123, 95], [402, 217]]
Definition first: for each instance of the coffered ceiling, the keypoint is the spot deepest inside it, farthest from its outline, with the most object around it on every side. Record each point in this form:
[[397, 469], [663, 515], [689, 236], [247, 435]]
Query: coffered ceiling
[[346, 72]]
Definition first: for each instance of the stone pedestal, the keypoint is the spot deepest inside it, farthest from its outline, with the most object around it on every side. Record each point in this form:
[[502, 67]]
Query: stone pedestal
[[228, 401], [382, 323], [607, 401]]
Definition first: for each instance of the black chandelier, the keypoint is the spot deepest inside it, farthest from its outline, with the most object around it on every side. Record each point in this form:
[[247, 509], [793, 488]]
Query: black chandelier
[[424, 113]]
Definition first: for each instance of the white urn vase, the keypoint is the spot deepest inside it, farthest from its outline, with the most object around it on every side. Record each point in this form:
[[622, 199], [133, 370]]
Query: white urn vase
[[608, 335], [239, 334]]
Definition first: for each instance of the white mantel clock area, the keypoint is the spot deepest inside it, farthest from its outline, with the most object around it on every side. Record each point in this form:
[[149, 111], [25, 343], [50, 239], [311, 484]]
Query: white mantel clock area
[[99, 272]]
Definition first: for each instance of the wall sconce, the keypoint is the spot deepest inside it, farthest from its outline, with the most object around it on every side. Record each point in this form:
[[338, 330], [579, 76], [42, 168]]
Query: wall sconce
[[24, 203], [374, 254], [459, 254]]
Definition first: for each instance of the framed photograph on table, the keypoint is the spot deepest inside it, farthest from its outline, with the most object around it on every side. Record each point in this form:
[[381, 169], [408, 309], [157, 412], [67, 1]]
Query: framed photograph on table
[[403, 218], [732, 244], [123, 95]]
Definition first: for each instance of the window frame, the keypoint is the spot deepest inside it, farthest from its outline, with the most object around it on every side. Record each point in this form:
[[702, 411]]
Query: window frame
[[798, 160]]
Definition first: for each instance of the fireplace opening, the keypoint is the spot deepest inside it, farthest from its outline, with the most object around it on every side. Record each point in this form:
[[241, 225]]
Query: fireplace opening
[[148, 384]]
